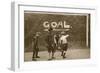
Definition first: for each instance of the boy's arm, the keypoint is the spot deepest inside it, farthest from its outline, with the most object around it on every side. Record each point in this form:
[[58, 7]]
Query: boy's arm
[[60, 41], [32, 43], [67, 36]]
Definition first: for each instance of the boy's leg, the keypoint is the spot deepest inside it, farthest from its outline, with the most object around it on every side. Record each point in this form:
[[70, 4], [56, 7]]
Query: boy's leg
[[53, 51], [61, 46], [61, 52], [53, 55], [65, 49], [37, 55], [64, 53], [33, 58], [37, 50], [50, 56], [49, 51], [33, 55]]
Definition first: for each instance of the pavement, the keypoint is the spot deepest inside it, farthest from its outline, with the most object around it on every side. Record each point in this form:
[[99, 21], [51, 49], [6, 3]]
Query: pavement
[[71, 54]]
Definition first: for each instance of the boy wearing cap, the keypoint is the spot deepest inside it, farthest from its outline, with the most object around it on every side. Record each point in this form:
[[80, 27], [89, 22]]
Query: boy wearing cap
[[63, 43], [35, 46]]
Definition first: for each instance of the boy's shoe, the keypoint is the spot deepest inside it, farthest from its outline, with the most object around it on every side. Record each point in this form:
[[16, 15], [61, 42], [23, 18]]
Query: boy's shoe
[[53, 57], [61, 54], [64, 57], [37, 57], [49, 59]]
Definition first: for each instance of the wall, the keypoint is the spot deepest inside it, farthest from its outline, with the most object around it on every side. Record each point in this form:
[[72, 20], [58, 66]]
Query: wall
[[34, 21]]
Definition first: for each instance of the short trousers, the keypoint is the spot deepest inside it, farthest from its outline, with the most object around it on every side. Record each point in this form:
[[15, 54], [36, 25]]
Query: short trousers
[[64, 47], [35, 48], [51, 48]]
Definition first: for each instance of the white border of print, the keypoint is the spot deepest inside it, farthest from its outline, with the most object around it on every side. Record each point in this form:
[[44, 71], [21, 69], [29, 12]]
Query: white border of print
[[17, 60]]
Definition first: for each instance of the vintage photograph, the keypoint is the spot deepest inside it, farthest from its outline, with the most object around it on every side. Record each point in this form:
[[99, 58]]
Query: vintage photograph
[[50, 36]]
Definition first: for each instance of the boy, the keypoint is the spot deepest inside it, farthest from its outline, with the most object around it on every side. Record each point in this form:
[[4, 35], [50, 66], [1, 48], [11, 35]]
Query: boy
[[63, 43], [50, 44], [35, 46]]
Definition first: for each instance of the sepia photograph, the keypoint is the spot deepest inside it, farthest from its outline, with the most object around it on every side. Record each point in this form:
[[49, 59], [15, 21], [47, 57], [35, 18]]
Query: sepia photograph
[[50, 36]]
